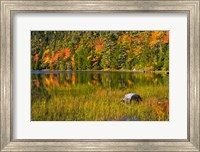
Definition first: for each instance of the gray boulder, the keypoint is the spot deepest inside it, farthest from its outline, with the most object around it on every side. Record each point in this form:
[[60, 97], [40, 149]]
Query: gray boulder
[[130, 97]]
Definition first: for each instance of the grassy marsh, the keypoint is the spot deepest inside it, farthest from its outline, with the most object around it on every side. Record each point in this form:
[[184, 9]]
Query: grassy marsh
[[97, 97]]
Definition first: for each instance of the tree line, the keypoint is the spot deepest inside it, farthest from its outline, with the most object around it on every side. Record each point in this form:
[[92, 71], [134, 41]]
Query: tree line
[[100, 50]]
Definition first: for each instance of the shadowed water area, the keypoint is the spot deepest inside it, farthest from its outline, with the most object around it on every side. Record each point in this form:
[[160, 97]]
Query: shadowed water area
[[96, 96]]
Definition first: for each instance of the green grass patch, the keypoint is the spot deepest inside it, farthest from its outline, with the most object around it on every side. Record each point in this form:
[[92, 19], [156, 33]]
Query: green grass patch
[[85, 102]]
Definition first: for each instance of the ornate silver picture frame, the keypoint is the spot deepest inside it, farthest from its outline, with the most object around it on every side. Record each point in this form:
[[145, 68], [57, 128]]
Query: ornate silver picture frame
[[9, 8]]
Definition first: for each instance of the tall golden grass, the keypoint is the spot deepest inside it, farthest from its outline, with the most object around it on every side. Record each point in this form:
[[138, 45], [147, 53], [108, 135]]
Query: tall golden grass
[[85, 102]]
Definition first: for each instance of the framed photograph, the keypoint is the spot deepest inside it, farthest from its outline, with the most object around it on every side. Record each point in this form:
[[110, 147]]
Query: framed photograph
[[100, 75]]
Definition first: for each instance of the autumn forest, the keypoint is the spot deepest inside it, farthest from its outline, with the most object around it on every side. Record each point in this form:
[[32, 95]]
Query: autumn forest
[[95, 75], [100, 50]]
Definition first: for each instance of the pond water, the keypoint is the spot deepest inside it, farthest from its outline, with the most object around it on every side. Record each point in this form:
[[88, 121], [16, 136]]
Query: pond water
[[89, 96]]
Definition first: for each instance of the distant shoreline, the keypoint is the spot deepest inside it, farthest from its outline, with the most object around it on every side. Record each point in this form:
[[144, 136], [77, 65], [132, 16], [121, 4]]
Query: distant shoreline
[[63, 71]]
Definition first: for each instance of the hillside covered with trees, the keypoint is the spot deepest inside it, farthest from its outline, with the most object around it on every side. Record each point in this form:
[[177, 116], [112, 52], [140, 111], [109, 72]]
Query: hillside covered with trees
[[100, 50]]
